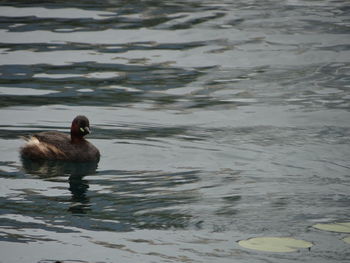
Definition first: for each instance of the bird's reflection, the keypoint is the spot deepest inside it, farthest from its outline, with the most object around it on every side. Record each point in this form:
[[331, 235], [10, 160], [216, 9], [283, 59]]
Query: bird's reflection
[[76, 172]]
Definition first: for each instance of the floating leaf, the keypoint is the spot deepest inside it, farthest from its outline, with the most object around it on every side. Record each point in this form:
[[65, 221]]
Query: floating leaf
[[336, 227], [347, 240], [275, 244]]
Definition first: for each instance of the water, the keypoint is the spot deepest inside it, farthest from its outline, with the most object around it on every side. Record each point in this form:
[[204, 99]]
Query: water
[[217, 121]]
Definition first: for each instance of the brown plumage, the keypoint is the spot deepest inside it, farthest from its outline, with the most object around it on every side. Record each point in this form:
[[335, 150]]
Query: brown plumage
[[54, 145]]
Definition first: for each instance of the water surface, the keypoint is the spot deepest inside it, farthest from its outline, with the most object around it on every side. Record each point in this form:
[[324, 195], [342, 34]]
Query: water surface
[[217, 121]]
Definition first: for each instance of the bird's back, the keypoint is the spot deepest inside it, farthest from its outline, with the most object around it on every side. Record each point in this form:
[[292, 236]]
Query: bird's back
[[54, 145]]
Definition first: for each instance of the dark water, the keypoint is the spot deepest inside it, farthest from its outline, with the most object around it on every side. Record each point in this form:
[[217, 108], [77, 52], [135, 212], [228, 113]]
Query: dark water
[[217, 121]]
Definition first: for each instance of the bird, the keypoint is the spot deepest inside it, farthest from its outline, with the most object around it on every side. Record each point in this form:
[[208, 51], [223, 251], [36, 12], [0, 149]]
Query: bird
[[54, 145]]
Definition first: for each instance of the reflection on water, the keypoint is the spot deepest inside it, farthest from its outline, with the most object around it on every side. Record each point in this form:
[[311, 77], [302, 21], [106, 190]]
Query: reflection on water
[[217, 121], [47, 169], [78, 187], [143, 200], [75, 172]]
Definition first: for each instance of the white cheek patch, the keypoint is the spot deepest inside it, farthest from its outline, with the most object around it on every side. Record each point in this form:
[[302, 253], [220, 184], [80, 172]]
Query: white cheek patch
[[82, 130]]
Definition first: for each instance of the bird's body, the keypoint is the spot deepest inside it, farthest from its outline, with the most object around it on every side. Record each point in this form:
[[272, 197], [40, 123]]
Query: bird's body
[[53, 145]]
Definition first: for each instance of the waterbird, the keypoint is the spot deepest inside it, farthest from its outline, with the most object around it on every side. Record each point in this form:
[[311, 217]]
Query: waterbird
[[54, 145]]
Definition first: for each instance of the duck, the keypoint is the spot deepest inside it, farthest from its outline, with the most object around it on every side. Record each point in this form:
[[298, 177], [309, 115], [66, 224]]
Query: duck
[[54, 145]]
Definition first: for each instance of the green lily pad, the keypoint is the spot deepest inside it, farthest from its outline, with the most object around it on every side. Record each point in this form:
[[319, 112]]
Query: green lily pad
[[347, 240], [275, 244], [336, 227]]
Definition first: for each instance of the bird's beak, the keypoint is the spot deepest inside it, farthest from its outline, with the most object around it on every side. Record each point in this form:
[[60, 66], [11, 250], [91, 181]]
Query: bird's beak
[[85, 130]]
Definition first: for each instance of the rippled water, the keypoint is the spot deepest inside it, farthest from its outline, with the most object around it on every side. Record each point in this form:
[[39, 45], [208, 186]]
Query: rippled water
[[217, 121]]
